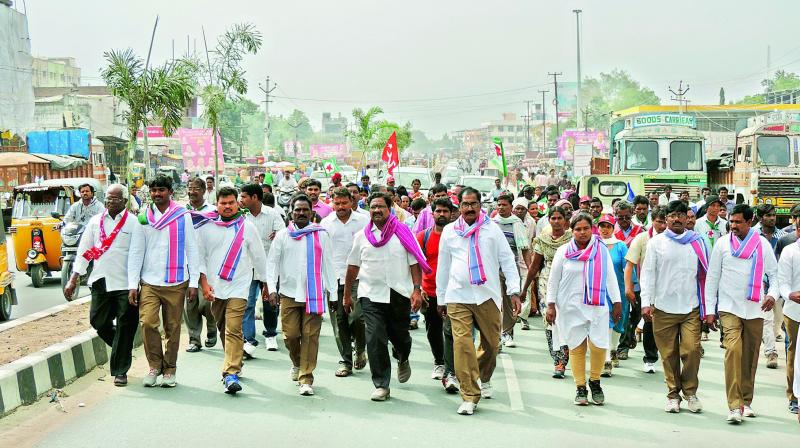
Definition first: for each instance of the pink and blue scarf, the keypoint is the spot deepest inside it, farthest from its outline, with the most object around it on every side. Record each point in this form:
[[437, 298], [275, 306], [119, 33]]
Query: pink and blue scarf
[[477, 275], [394, 227], [234, 253], [700, 249], [595, 269], [750, 248], [315, 294], [173, 219]]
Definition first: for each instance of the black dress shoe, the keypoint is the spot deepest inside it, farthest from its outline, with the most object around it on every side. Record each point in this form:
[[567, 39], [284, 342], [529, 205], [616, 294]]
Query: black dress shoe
[[193, 348], [121, 380]]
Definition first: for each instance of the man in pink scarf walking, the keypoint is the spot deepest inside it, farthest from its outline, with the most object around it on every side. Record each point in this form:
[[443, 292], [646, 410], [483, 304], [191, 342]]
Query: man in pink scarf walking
[[388, 263], [740, 264]]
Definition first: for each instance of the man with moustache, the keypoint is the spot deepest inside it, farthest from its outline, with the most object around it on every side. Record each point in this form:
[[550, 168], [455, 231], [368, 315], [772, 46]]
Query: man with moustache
[[348, 329], [195, 310], [313, 190]]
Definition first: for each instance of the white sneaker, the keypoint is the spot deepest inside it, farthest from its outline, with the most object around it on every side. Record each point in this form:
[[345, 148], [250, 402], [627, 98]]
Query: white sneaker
[[379, 394], [272, 344], [450, 383], [734, 416], [673, 406], [151, 378], [438, 372], [169, 380], [747, 411], [249, 349], [467, 408], [294, 373], [649, 367], [306, 390], [486, 390], [694, 404], [508, 340]]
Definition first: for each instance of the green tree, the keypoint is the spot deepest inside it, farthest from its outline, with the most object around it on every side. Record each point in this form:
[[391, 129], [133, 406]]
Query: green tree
[[283, 129], [224, 78], [152, 94], [242, 126], [782, 80], [371, 133]]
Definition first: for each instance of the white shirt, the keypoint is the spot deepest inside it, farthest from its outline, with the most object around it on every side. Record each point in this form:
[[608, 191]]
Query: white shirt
[[287, 262], [288, 183], [789, 279], [210, 196], [342, 236], [452, 272], [267, 222], [703, 227], [575, 320], [664, 200], [112, 265], [669, 276], [381, 268], [728, 279], [252, 262], [149, 250]]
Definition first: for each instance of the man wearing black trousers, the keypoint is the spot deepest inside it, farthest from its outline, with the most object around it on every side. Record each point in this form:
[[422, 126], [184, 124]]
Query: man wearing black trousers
[[106, 241], [635, 259]]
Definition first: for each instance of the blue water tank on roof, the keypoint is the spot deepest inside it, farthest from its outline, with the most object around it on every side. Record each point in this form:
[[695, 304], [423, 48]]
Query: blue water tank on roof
[[37, 142], [58, 142], [79, 143]]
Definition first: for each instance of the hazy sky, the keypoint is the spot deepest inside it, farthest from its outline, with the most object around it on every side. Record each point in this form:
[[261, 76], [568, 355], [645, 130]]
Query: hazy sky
[[407, 55]]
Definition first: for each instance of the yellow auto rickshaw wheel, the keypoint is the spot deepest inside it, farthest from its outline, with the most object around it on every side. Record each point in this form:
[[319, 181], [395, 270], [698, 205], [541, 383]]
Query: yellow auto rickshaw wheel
[[6, 300], [37, 275]]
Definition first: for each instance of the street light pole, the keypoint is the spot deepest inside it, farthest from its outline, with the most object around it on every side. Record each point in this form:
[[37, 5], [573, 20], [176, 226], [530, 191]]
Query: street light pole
[[578, 30]]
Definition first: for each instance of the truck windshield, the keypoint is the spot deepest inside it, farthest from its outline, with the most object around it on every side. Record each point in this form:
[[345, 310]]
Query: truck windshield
[[774, 150], [686, 156], [641, 155]]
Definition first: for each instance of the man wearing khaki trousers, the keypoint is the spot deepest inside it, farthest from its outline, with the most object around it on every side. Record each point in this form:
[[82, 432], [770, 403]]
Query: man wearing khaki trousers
[[672, 281], [231, 257], [472, 252], [740, 263], [300, 260], [789, 286], [164, 263]]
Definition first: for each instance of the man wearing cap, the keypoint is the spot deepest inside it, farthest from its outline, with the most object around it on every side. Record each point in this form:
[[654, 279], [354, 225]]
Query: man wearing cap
[[583, 205], [390, 181], [711, 226]]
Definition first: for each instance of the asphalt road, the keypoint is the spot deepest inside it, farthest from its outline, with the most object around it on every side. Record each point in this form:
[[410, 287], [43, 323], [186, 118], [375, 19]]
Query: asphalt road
[[529, 409], [32, 300]]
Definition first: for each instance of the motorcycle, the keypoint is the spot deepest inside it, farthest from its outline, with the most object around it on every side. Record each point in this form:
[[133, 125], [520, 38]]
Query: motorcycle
[[70, 238], [285, 197]]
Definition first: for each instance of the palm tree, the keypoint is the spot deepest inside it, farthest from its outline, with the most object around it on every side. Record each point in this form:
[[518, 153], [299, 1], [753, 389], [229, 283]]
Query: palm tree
[[370, 134], [223, 76], [159, 94]]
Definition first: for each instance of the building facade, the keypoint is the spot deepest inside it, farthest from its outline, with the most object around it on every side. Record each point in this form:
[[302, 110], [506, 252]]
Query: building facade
[[16, 88], [55, 72]]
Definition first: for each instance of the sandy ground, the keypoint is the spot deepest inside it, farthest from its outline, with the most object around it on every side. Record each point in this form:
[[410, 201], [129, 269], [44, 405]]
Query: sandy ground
[[42, 333]]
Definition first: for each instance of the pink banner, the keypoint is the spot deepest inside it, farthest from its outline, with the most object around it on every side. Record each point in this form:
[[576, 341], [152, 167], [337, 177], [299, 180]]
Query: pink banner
[[325, 151], [198, 149], [153, 132], [572, 137]]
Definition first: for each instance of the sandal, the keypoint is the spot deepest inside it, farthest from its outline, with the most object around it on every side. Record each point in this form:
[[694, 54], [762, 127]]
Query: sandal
[[361, 361], [193, 348], [343, 371]]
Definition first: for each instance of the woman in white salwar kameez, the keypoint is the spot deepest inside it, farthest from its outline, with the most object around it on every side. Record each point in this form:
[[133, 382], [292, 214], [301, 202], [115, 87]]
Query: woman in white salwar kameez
[[582, 282]]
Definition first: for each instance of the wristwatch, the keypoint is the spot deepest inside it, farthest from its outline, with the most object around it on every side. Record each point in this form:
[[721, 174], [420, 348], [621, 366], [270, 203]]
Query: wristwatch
[[417, 287]]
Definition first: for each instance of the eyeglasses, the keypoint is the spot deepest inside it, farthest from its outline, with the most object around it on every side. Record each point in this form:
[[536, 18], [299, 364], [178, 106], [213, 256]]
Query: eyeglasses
[[471, 205]]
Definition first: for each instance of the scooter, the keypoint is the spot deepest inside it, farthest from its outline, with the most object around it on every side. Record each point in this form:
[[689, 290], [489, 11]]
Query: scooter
[[70, 238]]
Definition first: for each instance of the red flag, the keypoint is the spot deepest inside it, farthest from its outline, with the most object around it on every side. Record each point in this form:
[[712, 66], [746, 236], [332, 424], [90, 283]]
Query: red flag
[[391, 155]]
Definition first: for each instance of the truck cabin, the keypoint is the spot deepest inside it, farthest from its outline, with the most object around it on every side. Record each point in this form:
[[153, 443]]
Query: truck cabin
[[659, 144]]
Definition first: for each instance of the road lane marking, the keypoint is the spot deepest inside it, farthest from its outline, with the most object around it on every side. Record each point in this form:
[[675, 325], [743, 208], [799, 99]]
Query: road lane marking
[[514, 393]]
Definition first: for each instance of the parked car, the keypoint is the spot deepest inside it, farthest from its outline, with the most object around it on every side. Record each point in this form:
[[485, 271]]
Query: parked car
[[450, 175], [484, 184]]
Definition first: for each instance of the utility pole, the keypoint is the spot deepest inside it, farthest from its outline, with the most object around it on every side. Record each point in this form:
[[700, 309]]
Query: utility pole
[[585, 113], [555, 95], [294, 143], [267, 90], [578, 29], [544, 123], [679, 96], [527, 118]]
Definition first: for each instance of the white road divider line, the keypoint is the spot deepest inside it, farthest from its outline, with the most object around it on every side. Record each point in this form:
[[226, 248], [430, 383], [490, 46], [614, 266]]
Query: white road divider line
[[514, 393]]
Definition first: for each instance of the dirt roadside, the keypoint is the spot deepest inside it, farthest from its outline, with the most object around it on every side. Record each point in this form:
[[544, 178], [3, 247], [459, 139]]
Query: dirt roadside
[[31, 337]]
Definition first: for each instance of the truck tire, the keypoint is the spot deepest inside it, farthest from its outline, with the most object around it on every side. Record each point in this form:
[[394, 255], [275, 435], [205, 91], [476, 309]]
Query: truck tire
[[6, 300], [37, 275]]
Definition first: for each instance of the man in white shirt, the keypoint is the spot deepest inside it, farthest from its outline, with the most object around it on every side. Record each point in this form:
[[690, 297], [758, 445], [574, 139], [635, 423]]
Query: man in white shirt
[[106, 240], [267, 222], [164, 262], [641, 212], [704, 193], [711, 226], [287, 181], [789, 286], [195, 310], [342, 227], [735, 286], [210, 194], [388, 263], [667, 196], [672, 281], [355, 195], [231, 258], [300, 259], [472, 296]]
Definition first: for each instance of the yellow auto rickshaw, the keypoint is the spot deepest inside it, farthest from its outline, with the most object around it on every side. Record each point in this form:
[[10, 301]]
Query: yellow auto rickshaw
[[137, 174], [8, 296], [36, 221]]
